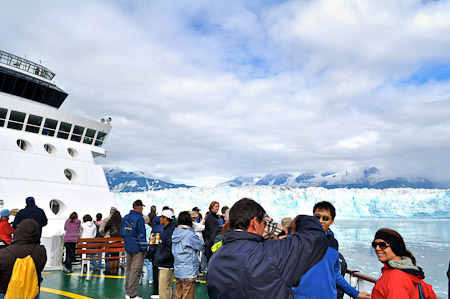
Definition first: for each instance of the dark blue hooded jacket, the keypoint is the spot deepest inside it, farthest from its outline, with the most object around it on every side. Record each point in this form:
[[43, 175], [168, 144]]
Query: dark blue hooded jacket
[[132, 230], [246, 266], [163, 256], [31, 211]]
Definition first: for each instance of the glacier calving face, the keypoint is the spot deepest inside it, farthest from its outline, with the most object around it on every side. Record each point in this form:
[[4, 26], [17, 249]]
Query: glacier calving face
[[280, 202]]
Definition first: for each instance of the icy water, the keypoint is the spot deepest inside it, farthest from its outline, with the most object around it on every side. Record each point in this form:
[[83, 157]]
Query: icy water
[[428, 240]]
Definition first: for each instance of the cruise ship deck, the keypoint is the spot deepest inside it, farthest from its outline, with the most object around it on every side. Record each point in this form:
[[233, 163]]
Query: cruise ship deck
[[58, 284]]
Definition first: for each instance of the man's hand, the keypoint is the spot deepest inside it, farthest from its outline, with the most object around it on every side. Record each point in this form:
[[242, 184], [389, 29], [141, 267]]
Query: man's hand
[[364, 295]]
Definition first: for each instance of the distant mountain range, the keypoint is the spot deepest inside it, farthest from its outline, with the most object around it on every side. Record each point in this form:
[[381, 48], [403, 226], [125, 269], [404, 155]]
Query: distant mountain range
[[120, 181]]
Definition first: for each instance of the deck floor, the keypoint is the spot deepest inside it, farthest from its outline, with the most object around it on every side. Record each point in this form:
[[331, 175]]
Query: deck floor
[[58, 284]]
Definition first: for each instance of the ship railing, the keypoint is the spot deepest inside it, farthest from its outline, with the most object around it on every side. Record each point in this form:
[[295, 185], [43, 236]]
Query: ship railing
[[25, 65], [363, 282]]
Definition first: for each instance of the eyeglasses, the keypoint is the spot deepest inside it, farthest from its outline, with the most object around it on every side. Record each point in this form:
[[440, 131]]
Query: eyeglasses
[[382, 245], [324, 218]]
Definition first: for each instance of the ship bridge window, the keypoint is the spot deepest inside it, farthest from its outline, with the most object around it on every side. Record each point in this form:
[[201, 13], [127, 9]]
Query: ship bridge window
[[100, 139], [34, 123], [77, 133], [8, 84], [24, 145], [89, 137], [19, 87], [64, 130], [49, 127], [39, 92], [16, 120], [29, 90], [3, 113]]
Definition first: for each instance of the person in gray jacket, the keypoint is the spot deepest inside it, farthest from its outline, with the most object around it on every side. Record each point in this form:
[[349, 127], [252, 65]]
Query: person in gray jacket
[[185, 245]]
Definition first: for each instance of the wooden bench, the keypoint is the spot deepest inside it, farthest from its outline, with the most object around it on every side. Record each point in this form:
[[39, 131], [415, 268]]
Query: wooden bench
[[85, 247]]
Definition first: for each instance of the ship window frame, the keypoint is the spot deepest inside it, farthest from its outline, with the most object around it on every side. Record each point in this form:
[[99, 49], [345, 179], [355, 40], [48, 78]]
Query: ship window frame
[[89, 138], [100, 139], [2, 203], [14, 122], [3, 116], [64, 130], [76, 135], [50, 131], [34, 126]]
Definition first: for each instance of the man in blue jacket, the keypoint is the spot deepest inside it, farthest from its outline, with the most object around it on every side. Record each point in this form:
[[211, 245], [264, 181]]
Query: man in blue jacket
[[31, 211], [321, 280], [132, 231], [163, 257], [246, 266]]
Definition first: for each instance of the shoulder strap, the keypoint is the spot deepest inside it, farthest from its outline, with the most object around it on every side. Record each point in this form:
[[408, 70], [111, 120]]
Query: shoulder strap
[[16, 255], [420, 291]]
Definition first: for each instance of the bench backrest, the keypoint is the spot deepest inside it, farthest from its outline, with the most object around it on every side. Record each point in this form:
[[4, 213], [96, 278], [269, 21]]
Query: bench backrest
[[99, 245]]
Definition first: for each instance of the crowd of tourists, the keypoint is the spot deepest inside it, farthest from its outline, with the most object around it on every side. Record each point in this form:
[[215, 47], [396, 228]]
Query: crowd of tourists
[[243, 252]]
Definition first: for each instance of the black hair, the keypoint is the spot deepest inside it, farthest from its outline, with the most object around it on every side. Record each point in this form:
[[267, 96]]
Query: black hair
[[115, 219], [325, 205], [243, 211], [99, 216], [165, 208], [184, 218]]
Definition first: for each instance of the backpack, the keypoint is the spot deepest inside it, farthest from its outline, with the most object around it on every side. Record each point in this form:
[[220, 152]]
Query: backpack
[[114, 231], [24, 280]]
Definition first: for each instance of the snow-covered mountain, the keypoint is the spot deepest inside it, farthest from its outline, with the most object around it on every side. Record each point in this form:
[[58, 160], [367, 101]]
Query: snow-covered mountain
[[121, 181], [367, 178]]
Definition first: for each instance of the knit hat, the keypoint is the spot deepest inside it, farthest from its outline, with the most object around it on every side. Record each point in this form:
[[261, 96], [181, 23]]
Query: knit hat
[[5, 213], [396, 243], [29, 200]]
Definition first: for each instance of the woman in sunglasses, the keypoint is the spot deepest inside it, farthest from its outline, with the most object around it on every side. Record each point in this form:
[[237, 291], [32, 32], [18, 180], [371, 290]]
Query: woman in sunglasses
[[400, 278]]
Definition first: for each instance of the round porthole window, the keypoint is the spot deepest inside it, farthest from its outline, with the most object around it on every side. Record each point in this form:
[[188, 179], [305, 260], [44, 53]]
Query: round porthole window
[[72, 152], [24, 145], [50, 149], [70, 174], [54, 206], [57, 206], [1, 203]]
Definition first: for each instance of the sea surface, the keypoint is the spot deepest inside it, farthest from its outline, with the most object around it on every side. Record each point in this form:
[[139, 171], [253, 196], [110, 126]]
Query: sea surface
[[427, 239]]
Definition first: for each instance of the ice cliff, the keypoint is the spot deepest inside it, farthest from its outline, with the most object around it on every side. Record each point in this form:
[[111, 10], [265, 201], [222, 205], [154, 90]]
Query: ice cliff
[[282, 202]]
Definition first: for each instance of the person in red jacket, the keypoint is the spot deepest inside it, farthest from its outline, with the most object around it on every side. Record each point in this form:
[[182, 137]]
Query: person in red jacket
[[400, 278], [5, 227]]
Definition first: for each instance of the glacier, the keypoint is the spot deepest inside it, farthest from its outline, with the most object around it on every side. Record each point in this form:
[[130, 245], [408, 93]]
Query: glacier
[[280, 201]]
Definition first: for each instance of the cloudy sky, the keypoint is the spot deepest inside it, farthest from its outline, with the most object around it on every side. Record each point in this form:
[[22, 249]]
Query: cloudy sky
[[201, 92]]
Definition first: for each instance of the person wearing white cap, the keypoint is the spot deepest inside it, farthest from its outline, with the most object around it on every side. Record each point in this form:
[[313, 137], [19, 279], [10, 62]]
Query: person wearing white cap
[[163, 257]]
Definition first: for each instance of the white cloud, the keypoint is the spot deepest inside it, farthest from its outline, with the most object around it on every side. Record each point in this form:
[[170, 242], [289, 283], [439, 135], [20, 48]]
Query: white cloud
[[201, 92]]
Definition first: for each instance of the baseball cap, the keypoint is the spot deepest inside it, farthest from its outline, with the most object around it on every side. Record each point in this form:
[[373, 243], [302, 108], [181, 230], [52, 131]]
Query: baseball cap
[[138, 203], [168, 214]]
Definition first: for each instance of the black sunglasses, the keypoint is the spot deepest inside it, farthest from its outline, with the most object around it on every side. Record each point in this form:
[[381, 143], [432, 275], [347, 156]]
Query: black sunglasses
[[325, 218], [382, 245]]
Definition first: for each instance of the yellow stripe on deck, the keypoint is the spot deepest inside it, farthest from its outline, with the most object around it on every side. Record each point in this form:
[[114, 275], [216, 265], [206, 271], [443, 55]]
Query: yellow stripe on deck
[[63, 293], [96, 275]]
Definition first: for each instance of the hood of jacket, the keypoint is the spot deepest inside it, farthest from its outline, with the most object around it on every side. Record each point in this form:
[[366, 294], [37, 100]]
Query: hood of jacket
[[89, 223], [27, 232], [406, 265], [180, 233]]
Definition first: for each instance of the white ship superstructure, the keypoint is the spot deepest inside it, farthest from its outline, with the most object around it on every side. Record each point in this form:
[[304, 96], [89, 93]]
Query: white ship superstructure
[[45, 152]]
